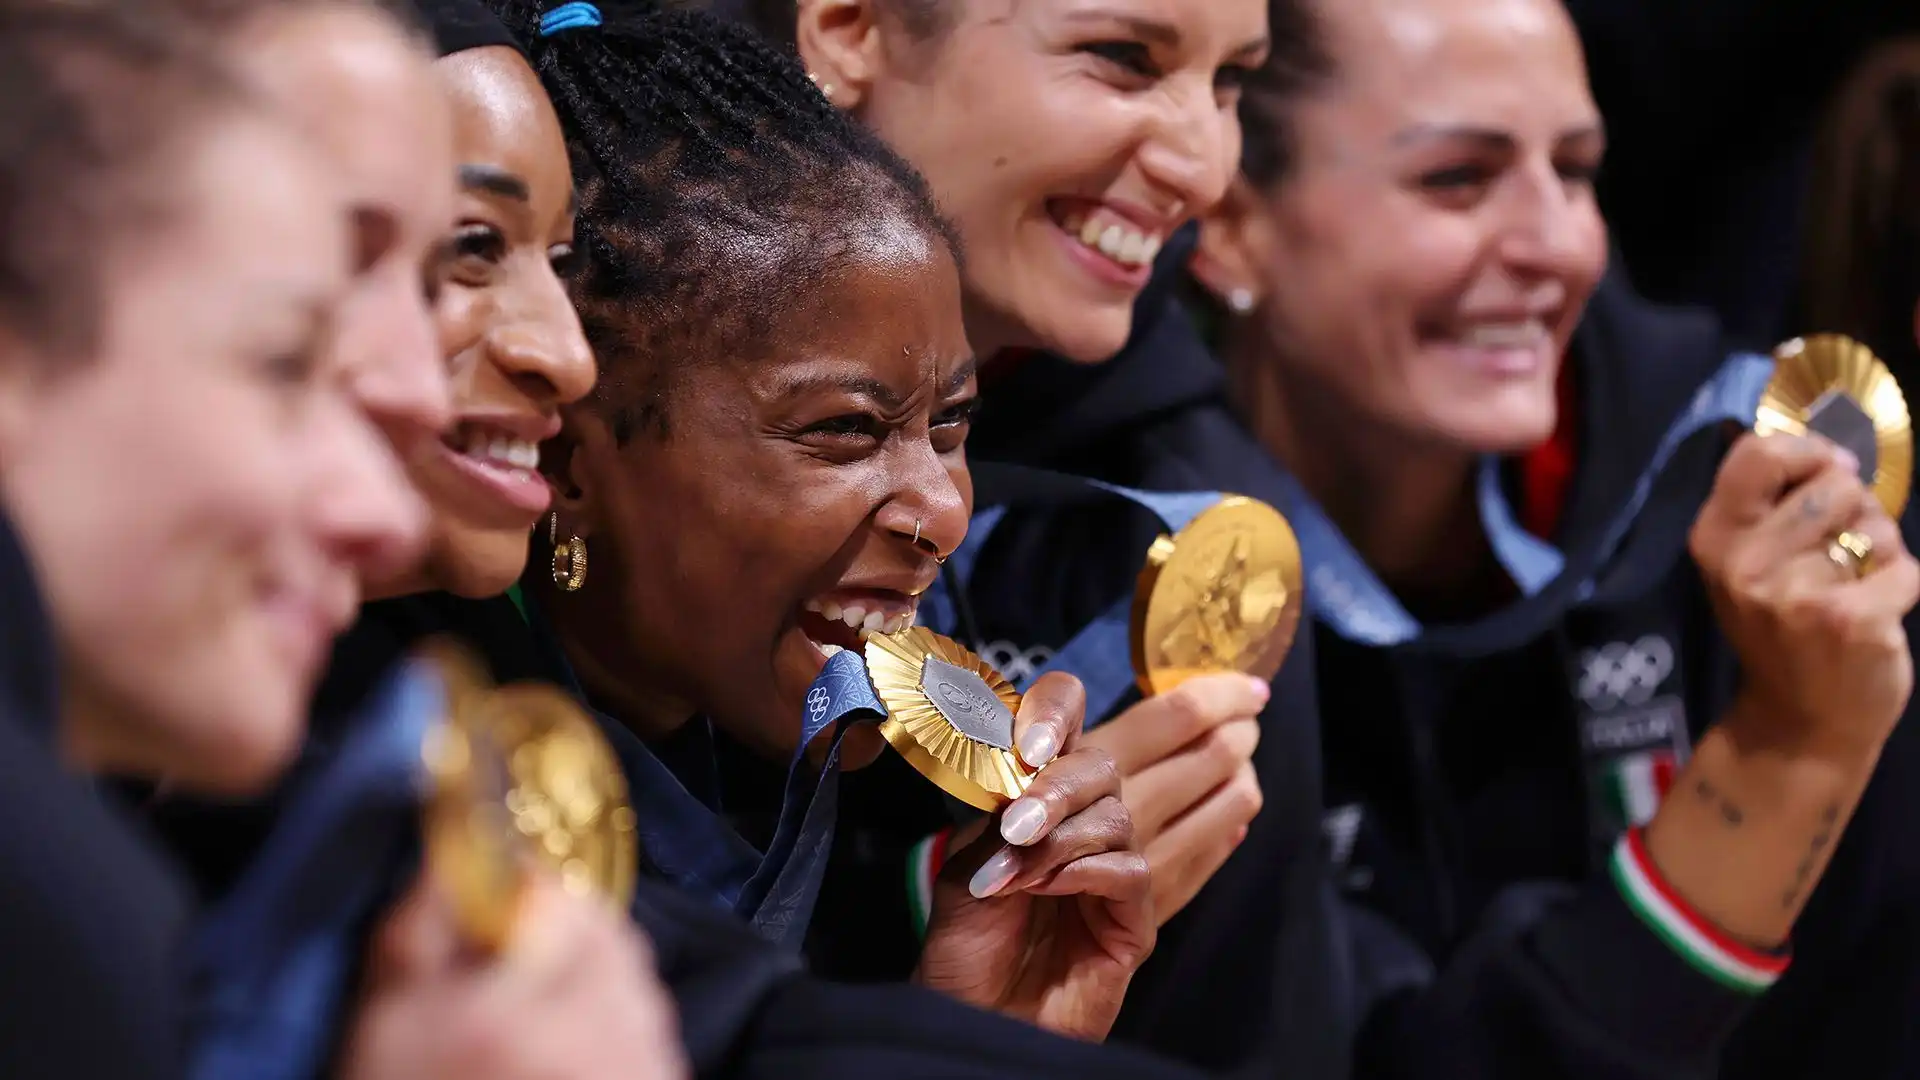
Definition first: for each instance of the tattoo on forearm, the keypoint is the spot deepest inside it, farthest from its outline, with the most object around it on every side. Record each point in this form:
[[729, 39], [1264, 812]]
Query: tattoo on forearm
[[1829, 825], [1729, 812]]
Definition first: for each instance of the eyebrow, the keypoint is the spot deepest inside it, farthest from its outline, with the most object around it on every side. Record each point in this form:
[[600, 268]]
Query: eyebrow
[[860, 385], [863, 385], [494, 181], [967, 369], [1488, 137], [1164, 34], [497, 181]]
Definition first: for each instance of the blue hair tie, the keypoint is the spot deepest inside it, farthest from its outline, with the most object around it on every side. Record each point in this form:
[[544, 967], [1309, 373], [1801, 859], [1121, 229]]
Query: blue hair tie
[[569, 17]]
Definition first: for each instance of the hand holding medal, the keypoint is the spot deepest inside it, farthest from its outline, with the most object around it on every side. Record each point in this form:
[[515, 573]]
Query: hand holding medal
[[1810, 582], [1048, 919], [1215, 612], [1802, 555]]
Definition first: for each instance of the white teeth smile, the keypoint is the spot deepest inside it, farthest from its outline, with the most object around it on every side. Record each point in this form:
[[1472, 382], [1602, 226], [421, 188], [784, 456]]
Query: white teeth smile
[[1520, 335], [865, 618], [1113, 237], [500, 450]]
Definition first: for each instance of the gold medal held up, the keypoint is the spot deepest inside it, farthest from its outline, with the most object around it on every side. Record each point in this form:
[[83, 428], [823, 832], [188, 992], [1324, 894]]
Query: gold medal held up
[[1224, 594], [518, 771], [1835, 387], [950, 715]]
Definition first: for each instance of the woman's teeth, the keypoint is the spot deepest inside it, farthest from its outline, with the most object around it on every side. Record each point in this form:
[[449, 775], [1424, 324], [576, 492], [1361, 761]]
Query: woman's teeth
[[1517, 335], [500, 450], [869, 619], [1113, 237]]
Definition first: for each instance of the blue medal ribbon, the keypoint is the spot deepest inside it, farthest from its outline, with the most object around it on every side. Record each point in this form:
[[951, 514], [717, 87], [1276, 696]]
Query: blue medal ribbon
[[1341, 591], [271, 967], [689, 843], [1345, 595], [1100, 654]]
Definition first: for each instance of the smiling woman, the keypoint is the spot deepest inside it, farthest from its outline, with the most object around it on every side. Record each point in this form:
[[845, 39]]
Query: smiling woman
[[189, 492], [520, 354], [1069, 139], [772, 467]]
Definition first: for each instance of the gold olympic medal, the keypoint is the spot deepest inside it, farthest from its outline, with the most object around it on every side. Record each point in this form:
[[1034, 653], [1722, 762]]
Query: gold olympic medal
[[567, 794], [1224, 594], [950, 715], [1833, 386], [472, 849], [515, 772]]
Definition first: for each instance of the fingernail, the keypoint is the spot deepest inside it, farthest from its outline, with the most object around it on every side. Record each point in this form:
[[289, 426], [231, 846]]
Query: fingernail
[[993, 874], [1260, 689], [1240, 837], [1038, 745], [1846, 459], [1022, 822]]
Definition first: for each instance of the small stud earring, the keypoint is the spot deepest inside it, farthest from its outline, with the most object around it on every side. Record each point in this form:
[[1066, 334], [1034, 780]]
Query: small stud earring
[[826, 89], [569, 557], [1240, 301]]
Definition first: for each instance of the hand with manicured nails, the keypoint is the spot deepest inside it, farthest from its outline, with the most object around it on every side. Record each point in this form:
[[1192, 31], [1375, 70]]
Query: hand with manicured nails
[[1047, 912], [1826, 668], [573, 997], [1186, 773]]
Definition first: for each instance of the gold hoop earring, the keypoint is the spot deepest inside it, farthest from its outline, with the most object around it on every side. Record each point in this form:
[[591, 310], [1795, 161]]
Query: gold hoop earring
[[569, 557]]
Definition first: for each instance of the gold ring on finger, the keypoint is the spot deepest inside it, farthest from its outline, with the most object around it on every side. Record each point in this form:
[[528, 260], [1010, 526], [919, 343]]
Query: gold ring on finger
[[1852, 552]]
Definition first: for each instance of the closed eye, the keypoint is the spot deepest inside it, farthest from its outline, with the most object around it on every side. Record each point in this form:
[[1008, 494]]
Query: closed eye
[[961, 412], [1132, 57]]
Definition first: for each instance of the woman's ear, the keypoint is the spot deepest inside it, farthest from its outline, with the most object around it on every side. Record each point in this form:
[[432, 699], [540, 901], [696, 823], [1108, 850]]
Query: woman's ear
[[840, 43], [565, 465], [1236, 242]]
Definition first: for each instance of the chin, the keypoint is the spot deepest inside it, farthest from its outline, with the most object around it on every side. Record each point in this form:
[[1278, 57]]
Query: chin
[[1091, 333], [245, 758], [476, 564], [1514, 421]]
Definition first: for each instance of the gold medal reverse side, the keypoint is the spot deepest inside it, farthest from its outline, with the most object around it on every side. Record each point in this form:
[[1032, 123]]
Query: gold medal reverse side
[[1834, 385], [950, 714], [1224, 594]]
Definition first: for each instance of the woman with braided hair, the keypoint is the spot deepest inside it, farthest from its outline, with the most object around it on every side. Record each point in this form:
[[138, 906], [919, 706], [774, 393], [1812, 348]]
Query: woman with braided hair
[[426, 1006], [772, 464]]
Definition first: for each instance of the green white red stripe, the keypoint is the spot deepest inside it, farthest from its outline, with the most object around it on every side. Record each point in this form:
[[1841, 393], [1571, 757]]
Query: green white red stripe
[[923, 865], [1700, 943], [1636, 785]]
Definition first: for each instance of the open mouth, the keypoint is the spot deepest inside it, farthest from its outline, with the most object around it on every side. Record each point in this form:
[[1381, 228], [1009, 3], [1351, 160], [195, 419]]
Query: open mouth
[[1509, 346], [494, 450], [842, 619], [505, 462], [1105, 232]]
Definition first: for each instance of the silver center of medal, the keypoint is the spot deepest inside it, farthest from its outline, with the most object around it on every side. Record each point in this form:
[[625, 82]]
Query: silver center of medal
[[968, 703]]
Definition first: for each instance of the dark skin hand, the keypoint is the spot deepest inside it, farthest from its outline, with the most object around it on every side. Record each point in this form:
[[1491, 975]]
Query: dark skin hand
[[1047, 911]]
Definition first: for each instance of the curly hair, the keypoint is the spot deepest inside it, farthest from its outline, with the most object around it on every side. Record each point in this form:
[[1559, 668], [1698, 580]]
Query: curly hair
[[718, 190]]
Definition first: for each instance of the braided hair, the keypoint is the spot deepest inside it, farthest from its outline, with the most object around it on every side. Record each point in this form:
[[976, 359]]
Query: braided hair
[[718, 190]]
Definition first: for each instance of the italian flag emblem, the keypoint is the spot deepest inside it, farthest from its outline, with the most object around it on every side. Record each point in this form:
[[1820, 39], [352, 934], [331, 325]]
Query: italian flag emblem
[[1635, 784]]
